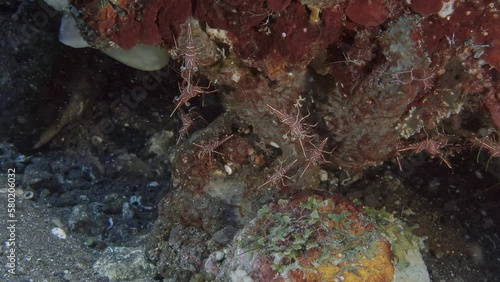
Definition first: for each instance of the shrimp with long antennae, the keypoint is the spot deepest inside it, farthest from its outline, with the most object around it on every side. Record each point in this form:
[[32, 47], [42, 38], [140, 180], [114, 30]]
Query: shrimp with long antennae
[[190, 52], [298, 129], [208, 148], [279, 174], [188, 92], [316, 157], [489, 144], [433, 146]]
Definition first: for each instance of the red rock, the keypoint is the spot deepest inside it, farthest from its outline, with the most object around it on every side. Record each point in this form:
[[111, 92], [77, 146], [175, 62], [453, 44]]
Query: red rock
[[493, 104], [154, 22], [426, 7], [492, 55], [295, 34], [278, 5], [367, 12]]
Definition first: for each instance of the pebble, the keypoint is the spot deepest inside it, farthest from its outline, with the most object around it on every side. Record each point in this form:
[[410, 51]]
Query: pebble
[[323, 175], [58, 232]]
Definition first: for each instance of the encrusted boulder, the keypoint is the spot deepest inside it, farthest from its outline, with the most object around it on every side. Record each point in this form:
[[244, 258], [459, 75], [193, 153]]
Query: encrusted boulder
[[322, 238]]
